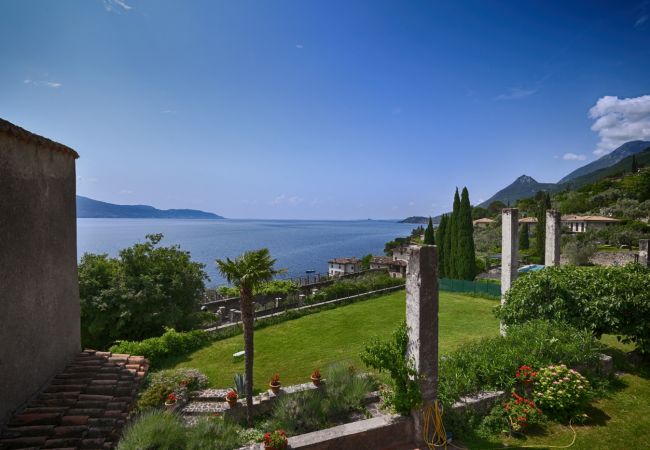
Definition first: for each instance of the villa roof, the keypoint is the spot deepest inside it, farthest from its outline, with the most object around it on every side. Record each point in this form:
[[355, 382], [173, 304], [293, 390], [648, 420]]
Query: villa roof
[[483, 220], [352, 260], [576, 218], [15, 131], [528, 220], [388, 261]]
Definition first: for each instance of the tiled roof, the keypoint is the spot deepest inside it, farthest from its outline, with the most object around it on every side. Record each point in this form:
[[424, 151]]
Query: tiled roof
[[575, 218], [483, 220], [27, 136], [385, 260], [85, 406], [352, 260], [528, 220]]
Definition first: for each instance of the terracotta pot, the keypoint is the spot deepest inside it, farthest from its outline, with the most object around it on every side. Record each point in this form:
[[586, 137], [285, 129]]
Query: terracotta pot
[[274, 448], [275, 387], [232, 402], [170, 406], [316, 381]]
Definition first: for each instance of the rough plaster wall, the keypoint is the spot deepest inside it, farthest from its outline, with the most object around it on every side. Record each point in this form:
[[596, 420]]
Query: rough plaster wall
[[39, 293]]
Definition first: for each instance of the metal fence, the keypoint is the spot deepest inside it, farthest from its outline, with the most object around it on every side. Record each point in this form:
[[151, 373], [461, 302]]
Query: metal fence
[[475, 287]]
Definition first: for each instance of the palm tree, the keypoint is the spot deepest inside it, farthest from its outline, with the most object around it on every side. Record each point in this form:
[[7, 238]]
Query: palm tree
[[247, 272]]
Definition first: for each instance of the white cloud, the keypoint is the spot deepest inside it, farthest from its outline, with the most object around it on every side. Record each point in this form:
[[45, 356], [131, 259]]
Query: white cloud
[[516, 93], [50, 84], [397, 110], [300, 46], [168, 111], [283, 199], [116, 6], [619, 120], [641, 20], [411, 203], [573, 157], [126, 192]]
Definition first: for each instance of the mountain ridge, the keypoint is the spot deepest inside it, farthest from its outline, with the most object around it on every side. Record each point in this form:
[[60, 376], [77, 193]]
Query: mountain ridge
[[88, 208]]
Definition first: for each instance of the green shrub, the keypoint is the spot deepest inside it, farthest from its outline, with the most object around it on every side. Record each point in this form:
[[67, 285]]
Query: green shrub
[[136, 295], [613, 300], [391, 357], [214, 433], [169, 344], [561, 392], [299, 413], [160, 384], [344, 391], [153, 430], [488, 364], [355, 286]]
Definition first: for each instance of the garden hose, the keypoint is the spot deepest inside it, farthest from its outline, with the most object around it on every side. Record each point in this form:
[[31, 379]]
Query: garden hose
[[433, 417]]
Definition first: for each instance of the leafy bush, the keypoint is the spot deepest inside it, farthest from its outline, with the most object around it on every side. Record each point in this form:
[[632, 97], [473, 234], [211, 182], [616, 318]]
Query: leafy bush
[[214, 433], [154, 430], [613, 300], [561, 391], [488, 364], [138, 294], [300, 413], [169, 344], [391, 357], [160, 384], [579, 252], [344, 391], [354, 286]]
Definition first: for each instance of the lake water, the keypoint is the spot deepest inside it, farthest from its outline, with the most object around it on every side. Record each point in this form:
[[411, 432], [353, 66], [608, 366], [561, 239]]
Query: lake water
[[298, 245]]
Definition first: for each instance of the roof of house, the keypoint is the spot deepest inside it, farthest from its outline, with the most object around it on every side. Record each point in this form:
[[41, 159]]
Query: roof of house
[[528, 220], [483, 220], [352, 260], [388, 261], [15, 131], [576, 218]]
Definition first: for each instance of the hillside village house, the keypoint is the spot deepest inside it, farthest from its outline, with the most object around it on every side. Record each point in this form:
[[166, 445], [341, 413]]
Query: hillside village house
[[400, 253], [581, 224], [483, 222], [396, 267], [343, 266]]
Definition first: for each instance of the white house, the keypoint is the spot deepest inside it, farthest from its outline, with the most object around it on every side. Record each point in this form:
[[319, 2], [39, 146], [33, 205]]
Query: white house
[[580, 224], [343, 266]]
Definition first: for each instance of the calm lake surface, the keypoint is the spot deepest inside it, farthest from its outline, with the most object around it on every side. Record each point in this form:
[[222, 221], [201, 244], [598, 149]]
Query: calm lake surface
[[298, 245]]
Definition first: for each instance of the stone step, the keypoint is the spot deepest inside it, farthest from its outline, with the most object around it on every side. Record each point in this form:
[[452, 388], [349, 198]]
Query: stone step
[[204, 408], [207, 395]]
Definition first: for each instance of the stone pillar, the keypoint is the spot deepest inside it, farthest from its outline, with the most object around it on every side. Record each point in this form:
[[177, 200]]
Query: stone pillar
[[553, 236], [643, 253], [509, 246], [422, 323]]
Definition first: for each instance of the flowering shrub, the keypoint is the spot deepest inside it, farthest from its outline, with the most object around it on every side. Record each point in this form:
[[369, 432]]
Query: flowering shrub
[[526, 375], [316, 374], [562, 391], [171, 398], [275, 380], [521, 412], [179, 382], [277, 440]]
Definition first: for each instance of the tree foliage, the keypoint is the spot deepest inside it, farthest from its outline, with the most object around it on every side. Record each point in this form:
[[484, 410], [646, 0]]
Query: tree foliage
[[429, 237], [138, 294], [441, 238], [465, 253], [524, 242], [613, 300]]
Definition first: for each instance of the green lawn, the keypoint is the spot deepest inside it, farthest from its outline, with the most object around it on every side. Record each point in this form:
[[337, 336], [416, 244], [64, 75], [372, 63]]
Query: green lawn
[[296, 347]]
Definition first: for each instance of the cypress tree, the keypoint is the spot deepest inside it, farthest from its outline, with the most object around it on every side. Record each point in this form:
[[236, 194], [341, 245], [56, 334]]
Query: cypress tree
[[452, 232], [544, 203], [524, 242], [441, 239], [429, 238], [635, 164], [466, 258]]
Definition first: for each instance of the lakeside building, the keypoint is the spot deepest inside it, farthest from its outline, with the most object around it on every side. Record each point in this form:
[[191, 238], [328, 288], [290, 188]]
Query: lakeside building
[[396, 267], [343, 266], [483, 222], [581, 224]]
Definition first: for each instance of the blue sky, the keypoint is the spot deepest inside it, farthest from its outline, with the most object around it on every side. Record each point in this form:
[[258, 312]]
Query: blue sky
[[324, 109]]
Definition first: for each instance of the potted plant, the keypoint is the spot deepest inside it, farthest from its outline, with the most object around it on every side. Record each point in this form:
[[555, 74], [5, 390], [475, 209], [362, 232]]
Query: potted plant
[[277, 440], [231, 398], [316, 377], [275, 384], [170, 403]]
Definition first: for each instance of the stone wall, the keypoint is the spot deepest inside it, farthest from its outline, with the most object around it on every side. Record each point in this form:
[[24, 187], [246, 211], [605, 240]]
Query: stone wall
[[39, 303]]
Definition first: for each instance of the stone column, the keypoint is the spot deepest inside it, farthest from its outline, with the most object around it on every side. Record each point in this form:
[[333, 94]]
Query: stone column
[[509, 246], [553, 236], [422, 323], [643, 253]]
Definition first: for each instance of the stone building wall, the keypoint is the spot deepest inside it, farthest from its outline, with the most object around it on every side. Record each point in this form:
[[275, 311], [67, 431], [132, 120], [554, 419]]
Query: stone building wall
[[39, 293]]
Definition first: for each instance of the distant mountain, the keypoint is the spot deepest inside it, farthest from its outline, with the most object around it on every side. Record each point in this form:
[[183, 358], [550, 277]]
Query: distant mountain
[[89, 208], [415, 219], [622, 152], [522, 187], [624, 165]]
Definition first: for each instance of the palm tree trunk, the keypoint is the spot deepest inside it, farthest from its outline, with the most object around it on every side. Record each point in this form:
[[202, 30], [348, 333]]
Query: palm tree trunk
[[246, 299]]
